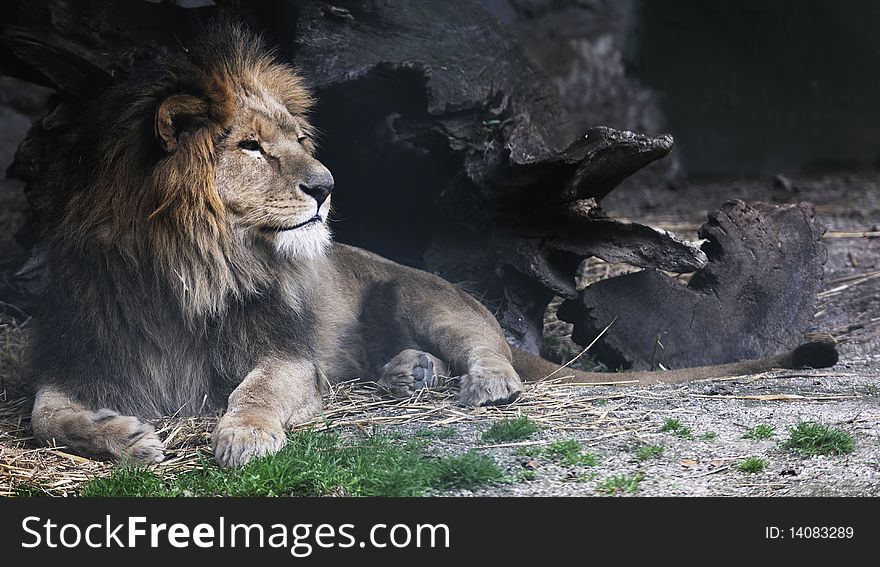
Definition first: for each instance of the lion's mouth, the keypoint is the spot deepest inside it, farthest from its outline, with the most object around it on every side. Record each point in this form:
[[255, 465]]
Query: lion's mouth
[[276, 229]]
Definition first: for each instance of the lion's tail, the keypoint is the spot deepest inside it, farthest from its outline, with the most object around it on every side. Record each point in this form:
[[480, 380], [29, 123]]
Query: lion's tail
[[814, 354]]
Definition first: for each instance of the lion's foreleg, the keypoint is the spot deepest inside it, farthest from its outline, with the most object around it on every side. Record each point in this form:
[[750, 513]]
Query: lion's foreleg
[[461, 332], [57, 420], [275, 395], [487, 376]]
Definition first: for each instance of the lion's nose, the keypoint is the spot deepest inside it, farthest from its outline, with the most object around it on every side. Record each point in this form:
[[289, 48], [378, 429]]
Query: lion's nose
[[318, 186]]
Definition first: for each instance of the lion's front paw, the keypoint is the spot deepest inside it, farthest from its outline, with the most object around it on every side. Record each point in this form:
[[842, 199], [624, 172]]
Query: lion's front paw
[[125, 437], [490, 384], [410, 371], [240, 438]]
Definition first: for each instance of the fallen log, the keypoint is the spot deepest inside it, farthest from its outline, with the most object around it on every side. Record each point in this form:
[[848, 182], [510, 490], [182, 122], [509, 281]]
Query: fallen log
[[755, 296]]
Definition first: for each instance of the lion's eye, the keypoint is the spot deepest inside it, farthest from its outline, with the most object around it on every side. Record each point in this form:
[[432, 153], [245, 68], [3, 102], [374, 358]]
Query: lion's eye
[[303, 138], [250, 146]]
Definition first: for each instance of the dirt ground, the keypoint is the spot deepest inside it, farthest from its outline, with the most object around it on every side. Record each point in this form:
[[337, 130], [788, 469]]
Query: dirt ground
[[612, 423]]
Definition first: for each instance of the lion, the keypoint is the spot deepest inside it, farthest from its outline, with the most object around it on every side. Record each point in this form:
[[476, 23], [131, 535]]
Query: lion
[[191, 270]]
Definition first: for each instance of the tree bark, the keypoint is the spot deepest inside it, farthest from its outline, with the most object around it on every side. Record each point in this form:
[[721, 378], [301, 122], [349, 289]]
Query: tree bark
[[755, 296]]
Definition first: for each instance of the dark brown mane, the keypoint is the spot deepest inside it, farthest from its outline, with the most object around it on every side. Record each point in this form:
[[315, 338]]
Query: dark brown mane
[[122, 190]]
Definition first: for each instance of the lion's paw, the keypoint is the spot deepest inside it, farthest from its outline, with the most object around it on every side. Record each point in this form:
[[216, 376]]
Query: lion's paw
[[410, 371], [490, 384], [238, 439], [125, 437]]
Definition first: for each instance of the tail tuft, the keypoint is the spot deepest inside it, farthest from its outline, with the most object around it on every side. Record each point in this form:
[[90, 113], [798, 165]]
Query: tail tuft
[[815, 354]]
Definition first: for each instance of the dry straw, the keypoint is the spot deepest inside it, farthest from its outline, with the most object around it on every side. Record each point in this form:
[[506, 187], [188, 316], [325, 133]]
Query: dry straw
[[354, 408]]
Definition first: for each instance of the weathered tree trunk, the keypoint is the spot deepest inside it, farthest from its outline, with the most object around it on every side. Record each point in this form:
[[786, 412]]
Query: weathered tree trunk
[[756, 295]]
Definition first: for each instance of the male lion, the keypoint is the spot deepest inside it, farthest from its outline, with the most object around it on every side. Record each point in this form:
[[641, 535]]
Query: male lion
[[190, 269]]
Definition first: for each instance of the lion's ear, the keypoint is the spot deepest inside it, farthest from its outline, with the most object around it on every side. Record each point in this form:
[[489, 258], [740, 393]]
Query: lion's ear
[[177, 115]]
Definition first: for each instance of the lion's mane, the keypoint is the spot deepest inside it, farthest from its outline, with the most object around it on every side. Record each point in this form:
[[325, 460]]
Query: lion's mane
[[151, 305]]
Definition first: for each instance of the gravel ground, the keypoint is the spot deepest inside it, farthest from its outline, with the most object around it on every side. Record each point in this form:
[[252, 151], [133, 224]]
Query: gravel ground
[[707, 467]]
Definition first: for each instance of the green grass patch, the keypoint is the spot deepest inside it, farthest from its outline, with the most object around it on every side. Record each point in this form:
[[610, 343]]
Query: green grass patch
[[621, 484], [752, 465], [516, 429], [760, 432], [27, 490], [709, 436], [677, 428], [646, 452], [529, 451], [315, 464], [569, 453], [128, 480], [585, 477], [527, 476], [470, 470], [809, 438], [438, 433]]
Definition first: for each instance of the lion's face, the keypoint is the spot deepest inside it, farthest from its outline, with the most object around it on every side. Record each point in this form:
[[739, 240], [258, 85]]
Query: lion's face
[[272, 186]]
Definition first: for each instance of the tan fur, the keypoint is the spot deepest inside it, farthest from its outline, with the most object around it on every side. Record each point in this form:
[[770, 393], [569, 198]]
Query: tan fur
[[59, 421], [274, 396], [191, 270]]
